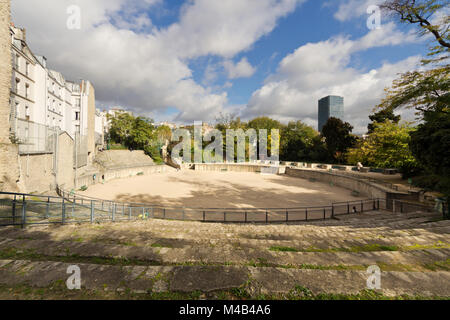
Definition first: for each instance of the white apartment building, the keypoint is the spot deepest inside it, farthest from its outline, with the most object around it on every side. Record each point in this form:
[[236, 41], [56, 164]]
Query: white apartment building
[[23, 78], [43, 102]]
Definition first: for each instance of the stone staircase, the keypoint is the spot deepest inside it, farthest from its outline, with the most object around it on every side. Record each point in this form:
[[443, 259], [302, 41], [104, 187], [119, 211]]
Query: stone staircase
[[242, 260]]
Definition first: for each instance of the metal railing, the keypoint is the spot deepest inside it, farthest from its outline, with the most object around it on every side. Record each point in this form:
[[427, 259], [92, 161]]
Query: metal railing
[[24, 209], [401, 206]]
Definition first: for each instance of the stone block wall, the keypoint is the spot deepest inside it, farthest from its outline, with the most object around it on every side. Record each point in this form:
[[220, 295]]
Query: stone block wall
[[5, 70], [9, 153], [37, 172]]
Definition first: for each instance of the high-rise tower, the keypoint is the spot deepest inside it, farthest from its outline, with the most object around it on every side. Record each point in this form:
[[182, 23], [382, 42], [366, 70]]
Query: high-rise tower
[[331, 106]]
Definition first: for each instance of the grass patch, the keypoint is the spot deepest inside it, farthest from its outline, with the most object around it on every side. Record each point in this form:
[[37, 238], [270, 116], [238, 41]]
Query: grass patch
[[67, 257], [117, 147], [365, 248], [159, 245], [59, 291], [439, 265], [437, 245], [283, 249]]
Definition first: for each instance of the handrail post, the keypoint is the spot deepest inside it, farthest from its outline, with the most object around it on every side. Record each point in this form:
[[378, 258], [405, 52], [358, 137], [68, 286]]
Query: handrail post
[[164, 213], [24, 213], [332, 210], [14, 209], [92, 211], [267, 216], [63, 212], [362, 206], [324, 213], [47, 210], [306, 212], [287, 215], [204, 216], [246, 218], [129, 213], [113, 212], [348, 207], [224, 216]]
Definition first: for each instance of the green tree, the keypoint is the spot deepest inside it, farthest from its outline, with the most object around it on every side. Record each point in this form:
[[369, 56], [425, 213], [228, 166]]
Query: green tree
[[380, 117], [424, 14], [136, 133], [121, 126], [264, 123], [163, 134], [430, 144], [297, 142], [338, 138], [386, 147], [428, 90], [425, 90]]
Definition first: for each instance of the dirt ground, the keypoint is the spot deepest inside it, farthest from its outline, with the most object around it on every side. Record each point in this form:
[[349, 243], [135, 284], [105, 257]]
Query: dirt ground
[[220, 190]]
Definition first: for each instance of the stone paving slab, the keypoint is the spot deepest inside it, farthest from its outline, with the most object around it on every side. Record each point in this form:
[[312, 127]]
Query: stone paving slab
[[206, 279], [223, 254]]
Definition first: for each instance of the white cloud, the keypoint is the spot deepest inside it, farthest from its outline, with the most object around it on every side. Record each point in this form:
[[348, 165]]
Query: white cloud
[[319, 69], [242, 69], [349, 9], [133, 63]]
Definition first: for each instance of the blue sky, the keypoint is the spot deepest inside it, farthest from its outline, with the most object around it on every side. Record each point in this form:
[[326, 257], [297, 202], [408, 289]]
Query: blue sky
[[191, 60]]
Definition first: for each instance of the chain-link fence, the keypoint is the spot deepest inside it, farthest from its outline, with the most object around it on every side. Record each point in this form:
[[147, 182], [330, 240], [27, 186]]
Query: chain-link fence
[[80, 150], [34, 137]]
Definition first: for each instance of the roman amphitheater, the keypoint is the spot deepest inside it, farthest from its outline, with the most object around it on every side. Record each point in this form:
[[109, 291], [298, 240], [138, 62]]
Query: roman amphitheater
[[225, 231]]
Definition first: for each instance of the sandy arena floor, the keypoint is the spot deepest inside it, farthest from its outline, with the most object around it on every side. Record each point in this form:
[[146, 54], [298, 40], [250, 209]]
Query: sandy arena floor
[[220, 190]]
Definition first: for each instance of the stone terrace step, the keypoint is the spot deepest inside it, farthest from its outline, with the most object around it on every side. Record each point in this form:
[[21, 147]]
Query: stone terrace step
[[219, 255], [256, 281], [146, 232]]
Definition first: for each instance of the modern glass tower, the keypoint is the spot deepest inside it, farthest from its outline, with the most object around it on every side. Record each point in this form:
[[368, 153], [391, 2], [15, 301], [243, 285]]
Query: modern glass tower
[[331, 106]]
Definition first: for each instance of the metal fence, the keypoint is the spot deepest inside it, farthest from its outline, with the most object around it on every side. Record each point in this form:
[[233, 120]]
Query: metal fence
[[80, 152], [402, 206], [34, 137], [24, 209]]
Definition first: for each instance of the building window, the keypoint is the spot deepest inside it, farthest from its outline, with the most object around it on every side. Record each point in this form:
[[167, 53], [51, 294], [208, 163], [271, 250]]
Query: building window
[[16, 89], [27, 90], [27, 69], [17, 109], [17, 62], [27, 113], [77, 116]]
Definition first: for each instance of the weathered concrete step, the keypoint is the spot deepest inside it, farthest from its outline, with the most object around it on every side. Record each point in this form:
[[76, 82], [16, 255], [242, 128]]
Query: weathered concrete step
[[359, 243], [206, 279], [225, 254], [260, 235]]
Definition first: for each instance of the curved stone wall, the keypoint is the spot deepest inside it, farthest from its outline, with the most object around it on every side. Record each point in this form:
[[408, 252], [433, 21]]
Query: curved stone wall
[[109, 174], [363, 186]]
